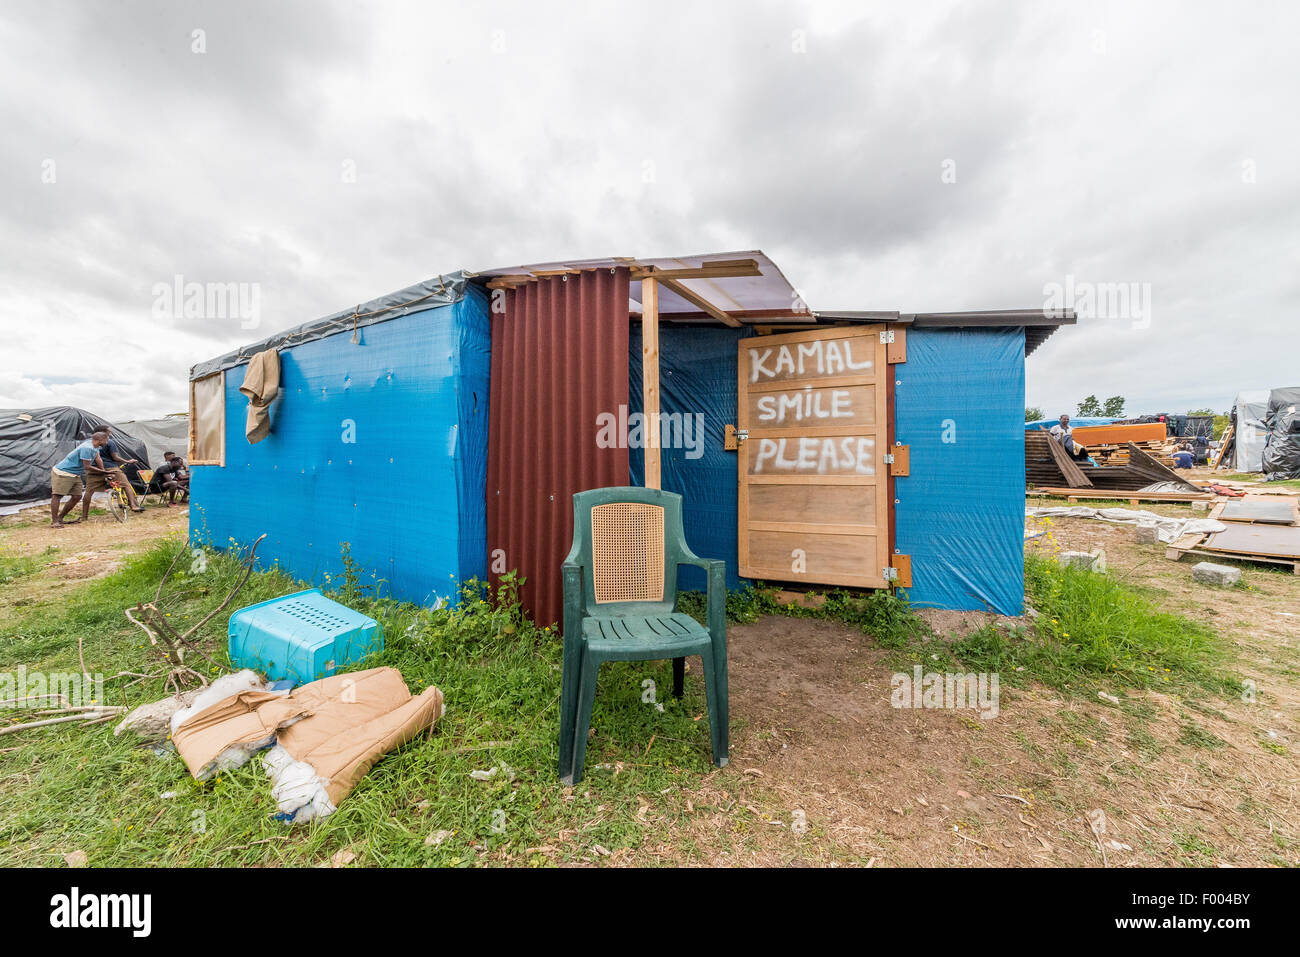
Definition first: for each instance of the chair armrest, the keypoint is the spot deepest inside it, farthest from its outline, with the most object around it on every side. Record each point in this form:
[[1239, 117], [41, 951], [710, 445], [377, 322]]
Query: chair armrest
[[571, 574], [716, 596], [688, 557]]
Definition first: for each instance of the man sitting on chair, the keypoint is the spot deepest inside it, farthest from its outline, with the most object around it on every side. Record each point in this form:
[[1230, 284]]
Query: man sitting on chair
[[171, 477]]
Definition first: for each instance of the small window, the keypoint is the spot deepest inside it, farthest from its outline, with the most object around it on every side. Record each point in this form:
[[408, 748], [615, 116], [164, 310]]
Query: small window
[[208, 420]]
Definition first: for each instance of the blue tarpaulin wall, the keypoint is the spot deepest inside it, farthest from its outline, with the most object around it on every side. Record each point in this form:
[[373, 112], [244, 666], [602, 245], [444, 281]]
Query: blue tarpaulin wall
[[959, 405], [380, 443], [697, 376]]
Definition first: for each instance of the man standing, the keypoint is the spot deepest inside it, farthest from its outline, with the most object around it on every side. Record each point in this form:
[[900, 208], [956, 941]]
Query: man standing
[[66, 478], [112, 453], [98, 478]]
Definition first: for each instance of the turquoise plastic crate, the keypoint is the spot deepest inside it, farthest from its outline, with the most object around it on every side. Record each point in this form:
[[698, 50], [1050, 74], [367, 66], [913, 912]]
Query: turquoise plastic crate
[[302, 637]]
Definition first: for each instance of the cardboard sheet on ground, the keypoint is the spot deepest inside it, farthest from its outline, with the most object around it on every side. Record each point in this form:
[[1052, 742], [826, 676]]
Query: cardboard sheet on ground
[[330, 732]]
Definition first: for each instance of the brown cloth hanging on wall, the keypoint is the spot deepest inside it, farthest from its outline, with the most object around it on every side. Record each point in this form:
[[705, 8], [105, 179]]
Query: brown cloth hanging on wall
[[261, 385]]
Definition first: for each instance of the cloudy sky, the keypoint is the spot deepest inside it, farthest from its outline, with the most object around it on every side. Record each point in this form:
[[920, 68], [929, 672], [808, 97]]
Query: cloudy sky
[[913, 156]]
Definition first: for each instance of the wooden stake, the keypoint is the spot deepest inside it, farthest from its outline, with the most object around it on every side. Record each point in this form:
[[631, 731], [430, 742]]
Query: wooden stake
[[650, 378]]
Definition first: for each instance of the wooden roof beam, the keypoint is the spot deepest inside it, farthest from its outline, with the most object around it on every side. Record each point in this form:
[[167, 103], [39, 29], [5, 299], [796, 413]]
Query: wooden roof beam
[[695, 299], [718, 269]]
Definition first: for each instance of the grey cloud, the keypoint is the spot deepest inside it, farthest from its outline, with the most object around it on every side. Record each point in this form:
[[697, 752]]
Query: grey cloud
[[507, 133]]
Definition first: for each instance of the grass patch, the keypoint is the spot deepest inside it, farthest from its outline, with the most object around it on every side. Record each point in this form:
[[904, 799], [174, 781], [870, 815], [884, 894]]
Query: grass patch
[[1193, 735], [1092, 632], [81, 788], [14, 565], [1092, 626]]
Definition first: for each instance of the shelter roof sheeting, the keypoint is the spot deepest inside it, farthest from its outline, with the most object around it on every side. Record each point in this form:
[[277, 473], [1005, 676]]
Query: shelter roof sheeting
[[761, 297]]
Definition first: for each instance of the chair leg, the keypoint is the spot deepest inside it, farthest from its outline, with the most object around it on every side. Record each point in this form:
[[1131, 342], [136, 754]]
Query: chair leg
[[718, 718], [569, 686], [586, 701], [679, 676]]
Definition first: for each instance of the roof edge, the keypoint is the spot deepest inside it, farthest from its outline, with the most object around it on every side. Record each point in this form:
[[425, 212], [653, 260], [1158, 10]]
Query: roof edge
[[1038, 324], [439, 291]]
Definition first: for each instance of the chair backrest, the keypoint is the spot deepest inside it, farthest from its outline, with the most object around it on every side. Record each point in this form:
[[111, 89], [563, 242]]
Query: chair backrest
[[627, 552], [628, 542]]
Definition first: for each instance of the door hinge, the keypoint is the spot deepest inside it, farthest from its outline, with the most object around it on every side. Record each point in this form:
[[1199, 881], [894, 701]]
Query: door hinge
[[889, 458], [896, 350], [890, 574], [901, 569], [732, 437], [887, 337], [900, 460]]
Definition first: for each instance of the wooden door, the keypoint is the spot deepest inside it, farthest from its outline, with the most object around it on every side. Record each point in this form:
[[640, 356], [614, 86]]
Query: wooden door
[[813, 482]]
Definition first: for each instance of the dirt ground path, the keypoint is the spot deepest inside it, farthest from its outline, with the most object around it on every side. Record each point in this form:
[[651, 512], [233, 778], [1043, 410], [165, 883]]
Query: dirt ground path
[[816, 741], [1180, 781], [82, 551]]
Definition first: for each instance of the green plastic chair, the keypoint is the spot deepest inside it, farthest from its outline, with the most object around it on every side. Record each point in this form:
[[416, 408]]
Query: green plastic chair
[[620, 604]]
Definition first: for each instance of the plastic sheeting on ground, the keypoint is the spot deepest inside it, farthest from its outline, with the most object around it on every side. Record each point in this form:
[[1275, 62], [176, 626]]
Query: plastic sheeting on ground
[[697, 378], [959, 403], [380, 444], [1167, 529]]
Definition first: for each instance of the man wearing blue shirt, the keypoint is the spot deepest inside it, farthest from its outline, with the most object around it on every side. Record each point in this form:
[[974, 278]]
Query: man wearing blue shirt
[[113, 458], [68, 478]]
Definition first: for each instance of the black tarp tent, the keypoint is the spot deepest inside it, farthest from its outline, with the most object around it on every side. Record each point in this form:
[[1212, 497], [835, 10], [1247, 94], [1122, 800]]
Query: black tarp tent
[[1281, 458], [33, 440]]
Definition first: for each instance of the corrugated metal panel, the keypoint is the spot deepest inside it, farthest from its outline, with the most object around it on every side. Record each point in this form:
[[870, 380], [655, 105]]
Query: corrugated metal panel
[[559, 359]]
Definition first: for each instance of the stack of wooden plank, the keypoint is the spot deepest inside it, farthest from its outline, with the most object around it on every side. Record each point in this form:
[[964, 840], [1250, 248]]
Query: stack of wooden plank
[[1051, 471], [1108, 444], [1259, 528], [1118, 454]]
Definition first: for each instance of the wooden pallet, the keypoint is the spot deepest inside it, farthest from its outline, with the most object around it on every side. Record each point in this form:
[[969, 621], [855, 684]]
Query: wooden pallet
[[1190, 545], [1133, 498], [1217, 512]]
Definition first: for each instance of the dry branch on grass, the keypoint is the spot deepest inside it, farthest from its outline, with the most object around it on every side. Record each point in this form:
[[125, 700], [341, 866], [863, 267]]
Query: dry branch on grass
[[91, 714], [173, 644]]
